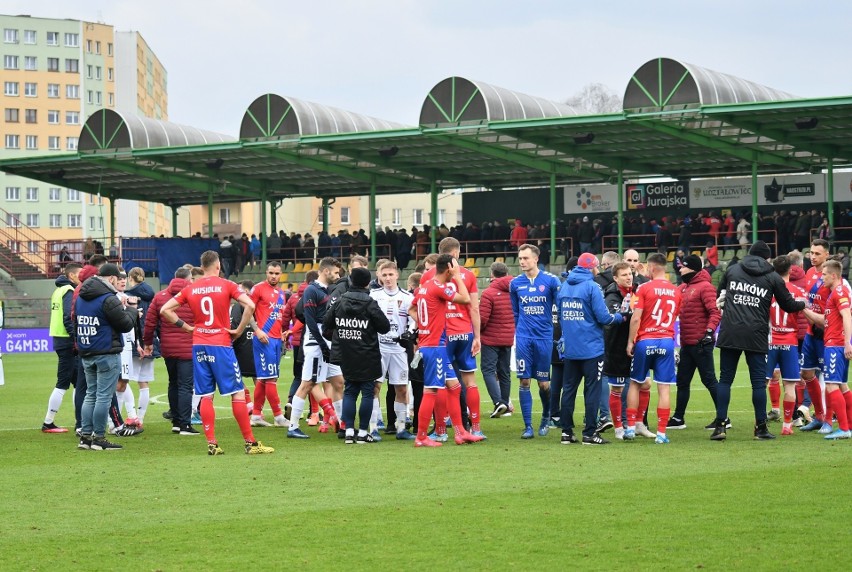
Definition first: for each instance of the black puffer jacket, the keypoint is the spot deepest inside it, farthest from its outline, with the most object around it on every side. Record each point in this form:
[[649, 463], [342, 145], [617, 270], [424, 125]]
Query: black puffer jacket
[[121, 319], [353, 324], [749, 287], [616, 360]]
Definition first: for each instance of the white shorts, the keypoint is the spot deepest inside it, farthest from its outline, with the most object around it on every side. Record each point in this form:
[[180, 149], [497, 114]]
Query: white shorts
[[126, 364], [315, 368], [142, 370], [395, 368]]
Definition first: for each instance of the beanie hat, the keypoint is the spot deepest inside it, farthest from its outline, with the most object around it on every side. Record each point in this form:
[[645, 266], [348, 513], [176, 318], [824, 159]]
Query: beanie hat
[[588, 260], [360, 277], [692, 262], [760, 250]]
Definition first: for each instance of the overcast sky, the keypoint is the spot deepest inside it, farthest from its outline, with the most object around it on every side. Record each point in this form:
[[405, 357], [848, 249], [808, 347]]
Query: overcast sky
[[381, 57]]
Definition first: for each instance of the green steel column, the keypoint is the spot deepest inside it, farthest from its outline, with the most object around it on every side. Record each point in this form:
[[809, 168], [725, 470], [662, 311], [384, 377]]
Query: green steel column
[[174, 220], [210, 214], [273, 212], [372, 226], [111, 220], [620, 184], [754, 203], [325, 215], [553, 214], [263, 233], [830, 190], [433, 219]]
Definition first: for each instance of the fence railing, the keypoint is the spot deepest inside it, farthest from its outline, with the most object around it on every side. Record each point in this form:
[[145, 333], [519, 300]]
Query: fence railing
[[699, 241]]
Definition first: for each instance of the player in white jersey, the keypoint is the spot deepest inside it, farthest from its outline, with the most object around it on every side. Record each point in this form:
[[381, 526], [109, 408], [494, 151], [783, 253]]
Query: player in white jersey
[[124, 395], [394, 303]]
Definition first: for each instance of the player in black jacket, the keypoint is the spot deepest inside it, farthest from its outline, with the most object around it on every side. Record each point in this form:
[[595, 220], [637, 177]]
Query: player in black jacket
[[353, 322], [242, 344], [616, 367]]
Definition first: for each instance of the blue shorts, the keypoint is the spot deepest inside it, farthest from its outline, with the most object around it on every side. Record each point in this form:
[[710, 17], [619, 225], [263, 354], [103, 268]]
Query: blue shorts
[[657, 355], [813, 351], [437, 368], [615, 381], [785, 358], [836, 366], [460, 351], [267, 357], [532, 358], [216, 366]]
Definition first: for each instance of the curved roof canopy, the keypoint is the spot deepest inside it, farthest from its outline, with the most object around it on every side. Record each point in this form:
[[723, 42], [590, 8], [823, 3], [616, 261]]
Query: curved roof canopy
[[664, 83], [107, 129], [457, 100], [272, 116]]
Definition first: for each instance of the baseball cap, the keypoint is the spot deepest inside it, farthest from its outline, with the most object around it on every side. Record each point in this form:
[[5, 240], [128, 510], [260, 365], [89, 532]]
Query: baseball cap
[[109, 269], [588, 260]]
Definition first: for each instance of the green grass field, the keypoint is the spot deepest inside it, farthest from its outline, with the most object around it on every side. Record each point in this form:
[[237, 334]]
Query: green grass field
[[163, 504]]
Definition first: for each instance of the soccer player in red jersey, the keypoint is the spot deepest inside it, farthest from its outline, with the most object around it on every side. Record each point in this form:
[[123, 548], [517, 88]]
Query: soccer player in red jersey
[[784, 344], [813, 346], [651, 343], [430, 308], [463, 339], [269, 301], [214, 365], [837, 321]]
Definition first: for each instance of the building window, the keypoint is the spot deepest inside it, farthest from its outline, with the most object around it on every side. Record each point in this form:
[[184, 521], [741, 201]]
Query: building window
[[111, 98], [74, 221], [30, 63], [344, 215], [12, 115], [10, 36], [417, 215], [32, 141], [32, 219], [98, 47], [71, 143], [32, 246], [72, 65], [72, 117], [13, 142], [72, 91], [224, 216], [109, 74], [53, 64], [30, 36], [90, 96], [98, 72], [30, 89], [54, 194], [10, 62], [99, 98], [459, 217], [10, 88], [53, 116], [53, 143], [91, 223], [89, 71], [88, 46], [14, 245], [52, 38], [32, 194], [109, 48], [72, 40], [378, 217], [397, 217], [320, 218], [13, 219], [13, 193], [73, 196], [53, 90], [55, 221]]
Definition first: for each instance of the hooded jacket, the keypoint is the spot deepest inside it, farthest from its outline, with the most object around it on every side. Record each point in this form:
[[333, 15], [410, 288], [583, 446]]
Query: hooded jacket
[[288, 316], [497, 324], [174, 342], [582, 315], [616, 361], [749, 287], [353, 324], [698, 311], [798, 278], [604, 279], [101, 319]]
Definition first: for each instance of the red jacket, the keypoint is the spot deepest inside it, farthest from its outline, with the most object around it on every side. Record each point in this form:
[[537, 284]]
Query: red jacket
[[288, 315], [519, 234], [698, 311], [174, 343], [497, 324], [797, 278]]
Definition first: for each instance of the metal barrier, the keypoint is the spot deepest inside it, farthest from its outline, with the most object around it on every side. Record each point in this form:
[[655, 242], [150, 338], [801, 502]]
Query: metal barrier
[[646, 242]]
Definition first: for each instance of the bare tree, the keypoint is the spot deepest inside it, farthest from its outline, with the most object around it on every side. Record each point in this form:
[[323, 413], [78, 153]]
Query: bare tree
[[595, 98]]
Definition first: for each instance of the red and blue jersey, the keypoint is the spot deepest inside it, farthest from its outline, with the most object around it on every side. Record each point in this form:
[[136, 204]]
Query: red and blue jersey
[[209, 298], [817, 292], [269, 303], [838, 300], [659, 301], [431, 301], [784, 327], [458, 315]]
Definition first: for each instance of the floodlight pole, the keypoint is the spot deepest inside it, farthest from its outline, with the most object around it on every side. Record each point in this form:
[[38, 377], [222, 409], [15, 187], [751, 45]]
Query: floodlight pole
[[210, 214], [325, 215], [433, 217], [754, 203], [263, 232], [829, 187], [372, 225], [111, 220], [552, 215], [174, 220], [620, 190], [273, 212]]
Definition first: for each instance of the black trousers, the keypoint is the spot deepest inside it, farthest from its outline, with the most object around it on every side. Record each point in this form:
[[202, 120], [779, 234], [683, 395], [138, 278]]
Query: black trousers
[[694, 358], [589, 371]]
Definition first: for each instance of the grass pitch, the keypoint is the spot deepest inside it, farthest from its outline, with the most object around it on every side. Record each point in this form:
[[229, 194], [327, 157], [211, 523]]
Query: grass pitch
[[163, 504]]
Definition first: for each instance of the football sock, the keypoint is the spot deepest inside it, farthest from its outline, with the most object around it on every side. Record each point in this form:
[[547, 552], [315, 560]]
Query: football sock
[[259, 397], [525, 397], [127, 398], [313, 402], [800, 393], [828, 416], [440, 408], [427, 407], [615, 409], [454, 408], [296, 413], [544, 395], [401, 410], [775, 393], [789, 406], [208, 419], [632, 416], [273, 398], [815, 391], [249, 404], [196, 401], [361, 432], [144, 399], [838, 404], [242, 417], [338, 408], [473, 405], [847, 397], [663, 419], [374, 417], [327, 408], [644, 399], [53, 404]]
